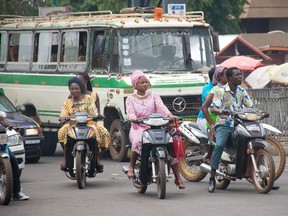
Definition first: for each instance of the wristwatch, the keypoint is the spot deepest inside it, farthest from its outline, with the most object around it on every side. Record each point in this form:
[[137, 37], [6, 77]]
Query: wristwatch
[[220, 111]]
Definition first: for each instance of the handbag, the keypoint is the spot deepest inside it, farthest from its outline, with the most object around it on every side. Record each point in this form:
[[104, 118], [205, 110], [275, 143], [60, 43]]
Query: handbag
[[178, 147]]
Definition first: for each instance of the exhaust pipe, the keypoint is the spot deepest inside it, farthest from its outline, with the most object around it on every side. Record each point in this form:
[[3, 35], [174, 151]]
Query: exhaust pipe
[[206, 168]]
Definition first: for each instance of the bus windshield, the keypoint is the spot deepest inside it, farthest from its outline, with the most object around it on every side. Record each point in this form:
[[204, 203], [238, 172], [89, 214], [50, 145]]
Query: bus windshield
[[165, 50]]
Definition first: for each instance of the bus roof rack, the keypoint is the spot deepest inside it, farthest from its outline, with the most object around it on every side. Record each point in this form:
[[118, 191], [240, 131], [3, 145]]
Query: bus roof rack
[[147, 12]]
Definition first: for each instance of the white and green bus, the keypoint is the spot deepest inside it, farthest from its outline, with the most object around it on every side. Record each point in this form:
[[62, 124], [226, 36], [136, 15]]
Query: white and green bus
[[38, 55]]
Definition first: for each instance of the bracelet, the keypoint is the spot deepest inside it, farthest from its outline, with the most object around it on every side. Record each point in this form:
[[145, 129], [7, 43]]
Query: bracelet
[[212, 125]]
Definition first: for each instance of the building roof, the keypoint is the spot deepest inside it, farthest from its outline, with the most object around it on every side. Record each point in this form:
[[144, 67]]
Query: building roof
[[265, 9], [277, 41], [239, 46]]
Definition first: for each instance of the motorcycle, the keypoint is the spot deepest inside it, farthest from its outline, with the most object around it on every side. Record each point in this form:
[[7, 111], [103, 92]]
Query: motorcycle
[[6, 176], [154, 163], [198, 149], [245, 155], [81, 148]]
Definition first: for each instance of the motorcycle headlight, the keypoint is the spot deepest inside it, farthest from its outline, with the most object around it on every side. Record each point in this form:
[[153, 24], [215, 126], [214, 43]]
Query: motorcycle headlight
[[14, 140], [32, 132], [3, 138]]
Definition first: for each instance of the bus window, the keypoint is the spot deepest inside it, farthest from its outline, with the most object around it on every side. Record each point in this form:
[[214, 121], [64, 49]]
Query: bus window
[[20, 50], [100, 50], [73, 51], [45, 51], [3, 37], [115, 56]]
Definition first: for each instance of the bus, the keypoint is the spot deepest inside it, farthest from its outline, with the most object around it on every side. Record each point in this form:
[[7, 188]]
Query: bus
[[38, 55]]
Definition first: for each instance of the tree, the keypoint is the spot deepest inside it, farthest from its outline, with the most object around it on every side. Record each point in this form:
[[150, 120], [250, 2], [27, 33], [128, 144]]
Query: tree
[[222, 15], [20, 7]]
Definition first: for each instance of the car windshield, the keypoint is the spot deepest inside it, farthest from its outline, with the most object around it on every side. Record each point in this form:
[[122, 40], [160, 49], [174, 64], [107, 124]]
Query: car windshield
[[6, 105], [164, 50]]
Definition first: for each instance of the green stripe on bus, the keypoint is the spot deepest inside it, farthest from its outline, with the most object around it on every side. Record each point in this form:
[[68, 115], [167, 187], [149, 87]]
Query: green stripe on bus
[[98, 82]]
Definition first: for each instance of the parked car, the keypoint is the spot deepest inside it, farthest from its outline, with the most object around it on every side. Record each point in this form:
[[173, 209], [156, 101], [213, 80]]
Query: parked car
[[15, 142], [16, 146], [29, 129]]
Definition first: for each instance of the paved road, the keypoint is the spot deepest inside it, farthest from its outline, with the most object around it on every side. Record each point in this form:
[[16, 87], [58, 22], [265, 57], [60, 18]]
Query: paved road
[[111, 193]]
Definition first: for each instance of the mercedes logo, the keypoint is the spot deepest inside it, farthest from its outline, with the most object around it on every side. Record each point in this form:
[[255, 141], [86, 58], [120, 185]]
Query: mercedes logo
[[179, 104]]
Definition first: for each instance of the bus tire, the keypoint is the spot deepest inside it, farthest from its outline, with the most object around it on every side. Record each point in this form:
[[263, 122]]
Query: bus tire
[[50, 143], [117, 148]]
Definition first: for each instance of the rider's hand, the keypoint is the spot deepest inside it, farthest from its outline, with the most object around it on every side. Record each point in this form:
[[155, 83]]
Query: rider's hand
[[265, 114], [225, 112]]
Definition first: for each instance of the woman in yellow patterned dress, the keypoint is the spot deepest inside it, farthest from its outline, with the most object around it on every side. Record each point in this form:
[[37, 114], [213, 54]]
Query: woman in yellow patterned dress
[[78, 102], [103, 132]]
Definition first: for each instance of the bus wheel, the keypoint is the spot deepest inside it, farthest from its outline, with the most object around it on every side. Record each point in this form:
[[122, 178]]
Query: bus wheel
[[117, 147], [50, 143]]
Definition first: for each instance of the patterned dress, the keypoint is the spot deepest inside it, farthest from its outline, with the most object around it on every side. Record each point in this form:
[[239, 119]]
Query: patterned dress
[[142, 107], [85, 105]]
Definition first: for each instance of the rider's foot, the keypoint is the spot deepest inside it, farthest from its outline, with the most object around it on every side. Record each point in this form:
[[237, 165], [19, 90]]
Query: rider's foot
[[131, 173], [100, 168], [63, 166], [212, 185], [275, 187], [179, 183], [20, 196]]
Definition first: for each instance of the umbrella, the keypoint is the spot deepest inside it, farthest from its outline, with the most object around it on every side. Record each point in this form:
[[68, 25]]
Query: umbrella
[[279, 73], [260, 77], [242, 62]]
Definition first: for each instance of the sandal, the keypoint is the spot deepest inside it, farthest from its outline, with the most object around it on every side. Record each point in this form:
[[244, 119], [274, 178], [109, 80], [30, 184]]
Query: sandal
[[131, 173], [179, 184]]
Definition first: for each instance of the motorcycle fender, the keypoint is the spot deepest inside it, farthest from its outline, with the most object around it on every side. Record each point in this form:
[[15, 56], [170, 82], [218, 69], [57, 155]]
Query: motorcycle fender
[[160, 152], [260, 143], [80, 146], [271, 128]]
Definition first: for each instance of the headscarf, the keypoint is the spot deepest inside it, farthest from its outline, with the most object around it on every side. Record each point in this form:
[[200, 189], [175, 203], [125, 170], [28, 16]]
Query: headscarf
[[136, 75], [75, 80], [217, 74]]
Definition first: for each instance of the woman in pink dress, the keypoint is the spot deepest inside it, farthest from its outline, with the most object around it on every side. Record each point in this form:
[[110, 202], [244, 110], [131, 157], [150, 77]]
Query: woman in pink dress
[[141, 105]]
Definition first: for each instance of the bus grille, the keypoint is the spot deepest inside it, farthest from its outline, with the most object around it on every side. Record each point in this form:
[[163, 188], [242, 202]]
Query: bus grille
[[187, 105]]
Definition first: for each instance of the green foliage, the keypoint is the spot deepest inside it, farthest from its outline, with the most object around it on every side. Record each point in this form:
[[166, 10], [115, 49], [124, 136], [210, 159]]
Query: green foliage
[[20, 7], [222, 15]]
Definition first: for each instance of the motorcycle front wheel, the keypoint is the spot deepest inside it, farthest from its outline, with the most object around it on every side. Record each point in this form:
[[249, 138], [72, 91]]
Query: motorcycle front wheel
[[80, 169], [264, 180], [6, 181], [161, 178], [278, 153], [191, 170]]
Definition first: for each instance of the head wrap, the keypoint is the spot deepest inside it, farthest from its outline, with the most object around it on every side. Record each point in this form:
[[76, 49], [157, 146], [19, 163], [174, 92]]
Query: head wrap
[[136, 75], [217, 74], [75, 80]]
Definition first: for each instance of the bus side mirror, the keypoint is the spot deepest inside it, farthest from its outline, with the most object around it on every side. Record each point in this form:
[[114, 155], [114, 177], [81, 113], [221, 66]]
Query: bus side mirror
[[215, 40]]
